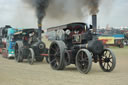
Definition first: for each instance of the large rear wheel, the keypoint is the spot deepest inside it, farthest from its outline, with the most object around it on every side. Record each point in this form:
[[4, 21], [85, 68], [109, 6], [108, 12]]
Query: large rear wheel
[[107, 60], [83, 61], [56, 55]]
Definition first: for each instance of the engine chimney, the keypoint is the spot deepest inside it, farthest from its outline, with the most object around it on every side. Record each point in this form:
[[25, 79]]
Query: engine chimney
[[94, 23], [39, 30]]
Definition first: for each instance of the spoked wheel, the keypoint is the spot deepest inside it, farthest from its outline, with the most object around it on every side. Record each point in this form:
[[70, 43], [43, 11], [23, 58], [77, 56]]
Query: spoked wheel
[[107, 61], [47, 59], [18, 55], [83, 61], [39, 58], [31, 56], [56, 55], [67, 58], [121, 45]]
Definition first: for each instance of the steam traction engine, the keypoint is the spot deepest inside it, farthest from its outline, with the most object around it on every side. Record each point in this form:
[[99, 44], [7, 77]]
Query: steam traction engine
[[28, 46], [77, 44]]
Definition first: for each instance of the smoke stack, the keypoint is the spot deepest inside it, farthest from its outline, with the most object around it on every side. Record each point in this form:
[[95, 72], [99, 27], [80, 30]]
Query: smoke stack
[[94, 22], [40, 9], [39, 30]]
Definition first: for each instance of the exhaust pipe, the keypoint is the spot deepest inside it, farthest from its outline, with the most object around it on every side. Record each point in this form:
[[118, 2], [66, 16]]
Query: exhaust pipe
[[94, 23], [39, 30]]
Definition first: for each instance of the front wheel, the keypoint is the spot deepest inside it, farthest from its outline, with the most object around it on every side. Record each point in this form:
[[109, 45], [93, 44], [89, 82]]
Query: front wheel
[[83, 61], [31, 56], [107, 60], [47, 59], [121, 45], [39, 58], [18, 55]]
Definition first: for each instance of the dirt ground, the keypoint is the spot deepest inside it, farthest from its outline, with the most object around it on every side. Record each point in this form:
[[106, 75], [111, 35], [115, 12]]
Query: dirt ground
[[13, 73]]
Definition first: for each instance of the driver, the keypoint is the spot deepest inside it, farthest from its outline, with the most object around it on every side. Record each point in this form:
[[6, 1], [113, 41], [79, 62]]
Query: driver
[[32, 37]]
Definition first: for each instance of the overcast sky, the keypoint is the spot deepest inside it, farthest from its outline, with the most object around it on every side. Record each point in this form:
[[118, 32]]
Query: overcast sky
[[17, 14]]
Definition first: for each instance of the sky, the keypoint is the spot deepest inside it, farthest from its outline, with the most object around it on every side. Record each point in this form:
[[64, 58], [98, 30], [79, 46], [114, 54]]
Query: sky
[[17, 14]]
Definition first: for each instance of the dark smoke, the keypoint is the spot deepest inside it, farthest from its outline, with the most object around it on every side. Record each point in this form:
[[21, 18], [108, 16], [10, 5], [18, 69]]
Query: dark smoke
[[77, 8], [93, 6], [40, 8], [61, 9]]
